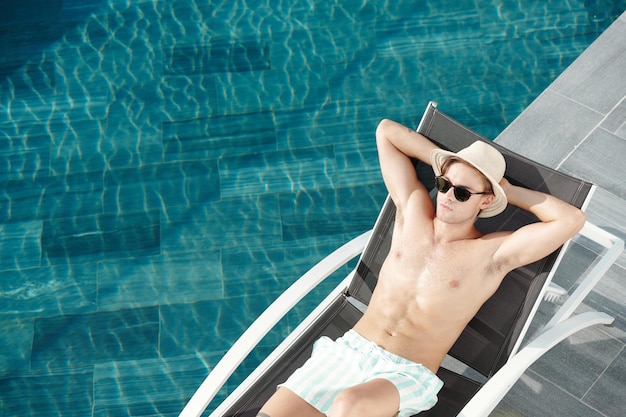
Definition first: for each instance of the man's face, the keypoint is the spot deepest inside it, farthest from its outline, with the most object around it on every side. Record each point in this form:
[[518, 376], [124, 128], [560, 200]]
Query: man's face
[[449, 209]]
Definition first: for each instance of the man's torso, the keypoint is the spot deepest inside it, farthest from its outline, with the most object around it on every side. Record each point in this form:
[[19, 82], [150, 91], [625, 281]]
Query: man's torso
[[426, 294]]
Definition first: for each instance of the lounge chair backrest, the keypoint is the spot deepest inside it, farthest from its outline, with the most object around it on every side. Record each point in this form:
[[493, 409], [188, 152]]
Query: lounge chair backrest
[[494, 333]]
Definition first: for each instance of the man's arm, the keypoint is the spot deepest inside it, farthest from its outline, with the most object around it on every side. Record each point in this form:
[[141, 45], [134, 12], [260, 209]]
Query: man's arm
[[559, 221], [396, 145]]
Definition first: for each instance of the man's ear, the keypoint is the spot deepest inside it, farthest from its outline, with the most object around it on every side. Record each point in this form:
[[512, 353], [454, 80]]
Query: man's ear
[[486, 201]]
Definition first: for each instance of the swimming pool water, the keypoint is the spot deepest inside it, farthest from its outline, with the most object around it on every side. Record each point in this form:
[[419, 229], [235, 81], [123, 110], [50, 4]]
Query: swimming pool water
[[168, 168]]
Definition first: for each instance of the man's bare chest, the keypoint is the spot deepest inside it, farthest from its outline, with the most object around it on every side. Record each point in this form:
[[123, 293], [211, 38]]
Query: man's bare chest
[[431, 268]]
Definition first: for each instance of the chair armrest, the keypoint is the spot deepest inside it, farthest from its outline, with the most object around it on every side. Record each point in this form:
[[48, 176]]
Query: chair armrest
[[267, 320], [615, 247], [488, 397]]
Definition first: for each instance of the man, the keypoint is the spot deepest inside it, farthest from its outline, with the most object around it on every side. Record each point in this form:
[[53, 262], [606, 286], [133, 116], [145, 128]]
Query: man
[[439, 272]]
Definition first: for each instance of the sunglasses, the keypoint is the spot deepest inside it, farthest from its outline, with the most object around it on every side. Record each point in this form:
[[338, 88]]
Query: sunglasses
[[460, 193]]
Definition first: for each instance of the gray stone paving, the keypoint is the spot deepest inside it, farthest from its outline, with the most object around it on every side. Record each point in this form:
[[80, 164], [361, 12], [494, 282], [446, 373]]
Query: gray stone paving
[[578, 125]]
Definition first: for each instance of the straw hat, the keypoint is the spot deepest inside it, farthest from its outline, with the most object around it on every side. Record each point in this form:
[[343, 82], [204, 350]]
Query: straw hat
[[485, 158]]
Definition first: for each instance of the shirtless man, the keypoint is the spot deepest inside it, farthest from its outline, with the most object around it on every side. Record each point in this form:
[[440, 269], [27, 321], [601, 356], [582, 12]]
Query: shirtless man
[[439, 272]]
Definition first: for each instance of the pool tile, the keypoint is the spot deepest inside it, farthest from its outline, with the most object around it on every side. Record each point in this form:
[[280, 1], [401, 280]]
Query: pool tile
[[276, 88], [20, 244], [267, 272], [157, 280], [189, 97], [359, 166], [320, 292], [125, 156], [25, 149], [308, 213], [181, 323], [48, 197], [348, 125], [17, 137], [220, 55], [238, 221], [76, 138], [52, 394], [420, 29], [181, 21], [97, 30], [25, 164], [149, 387], [502, 59], [16, 340], [317, 46], [107, 236], [309, 125], [70, 195], [259, 91], [209, 326], [279, 171], [352, 81], [135, 138], [159, 186], [270, 270], [28, 31], [48, 291], [213, 137], [259, 270], [20, 200], [301, 15], [81, 340]]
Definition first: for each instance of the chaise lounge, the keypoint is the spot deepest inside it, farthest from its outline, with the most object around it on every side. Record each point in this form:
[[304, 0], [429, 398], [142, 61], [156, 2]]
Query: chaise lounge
[[488, 357]]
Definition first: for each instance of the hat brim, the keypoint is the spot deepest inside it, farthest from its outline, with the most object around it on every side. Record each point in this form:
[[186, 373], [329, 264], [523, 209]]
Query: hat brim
[[439, 156]]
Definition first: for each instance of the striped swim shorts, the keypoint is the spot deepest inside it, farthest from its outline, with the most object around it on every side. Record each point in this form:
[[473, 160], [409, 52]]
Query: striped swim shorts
[[353, 360]]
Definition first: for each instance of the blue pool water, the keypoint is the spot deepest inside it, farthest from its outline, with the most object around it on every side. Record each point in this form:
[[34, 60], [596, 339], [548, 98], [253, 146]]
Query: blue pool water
[[169, 167]]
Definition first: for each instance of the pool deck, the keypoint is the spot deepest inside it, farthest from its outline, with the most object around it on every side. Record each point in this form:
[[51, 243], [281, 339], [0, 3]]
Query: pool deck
[[578, 126]]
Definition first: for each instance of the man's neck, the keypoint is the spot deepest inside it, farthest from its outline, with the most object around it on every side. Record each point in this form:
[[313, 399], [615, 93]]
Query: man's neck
[[450, 232]]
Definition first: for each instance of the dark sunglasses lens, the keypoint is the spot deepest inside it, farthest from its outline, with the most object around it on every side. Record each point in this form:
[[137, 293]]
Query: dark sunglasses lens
[[442, 184], [462, 194]]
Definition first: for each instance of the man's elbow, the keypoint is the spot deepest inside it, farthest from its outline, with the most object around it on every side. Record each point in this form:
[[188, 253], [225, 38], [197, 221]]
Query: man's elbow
[[384, 123], [383, 127], [382, 132]]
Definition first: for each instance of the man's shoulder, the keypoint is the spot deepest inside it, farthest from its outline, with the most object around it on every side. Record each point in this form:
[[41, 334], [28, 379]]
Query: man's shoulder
[[419, 203]]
